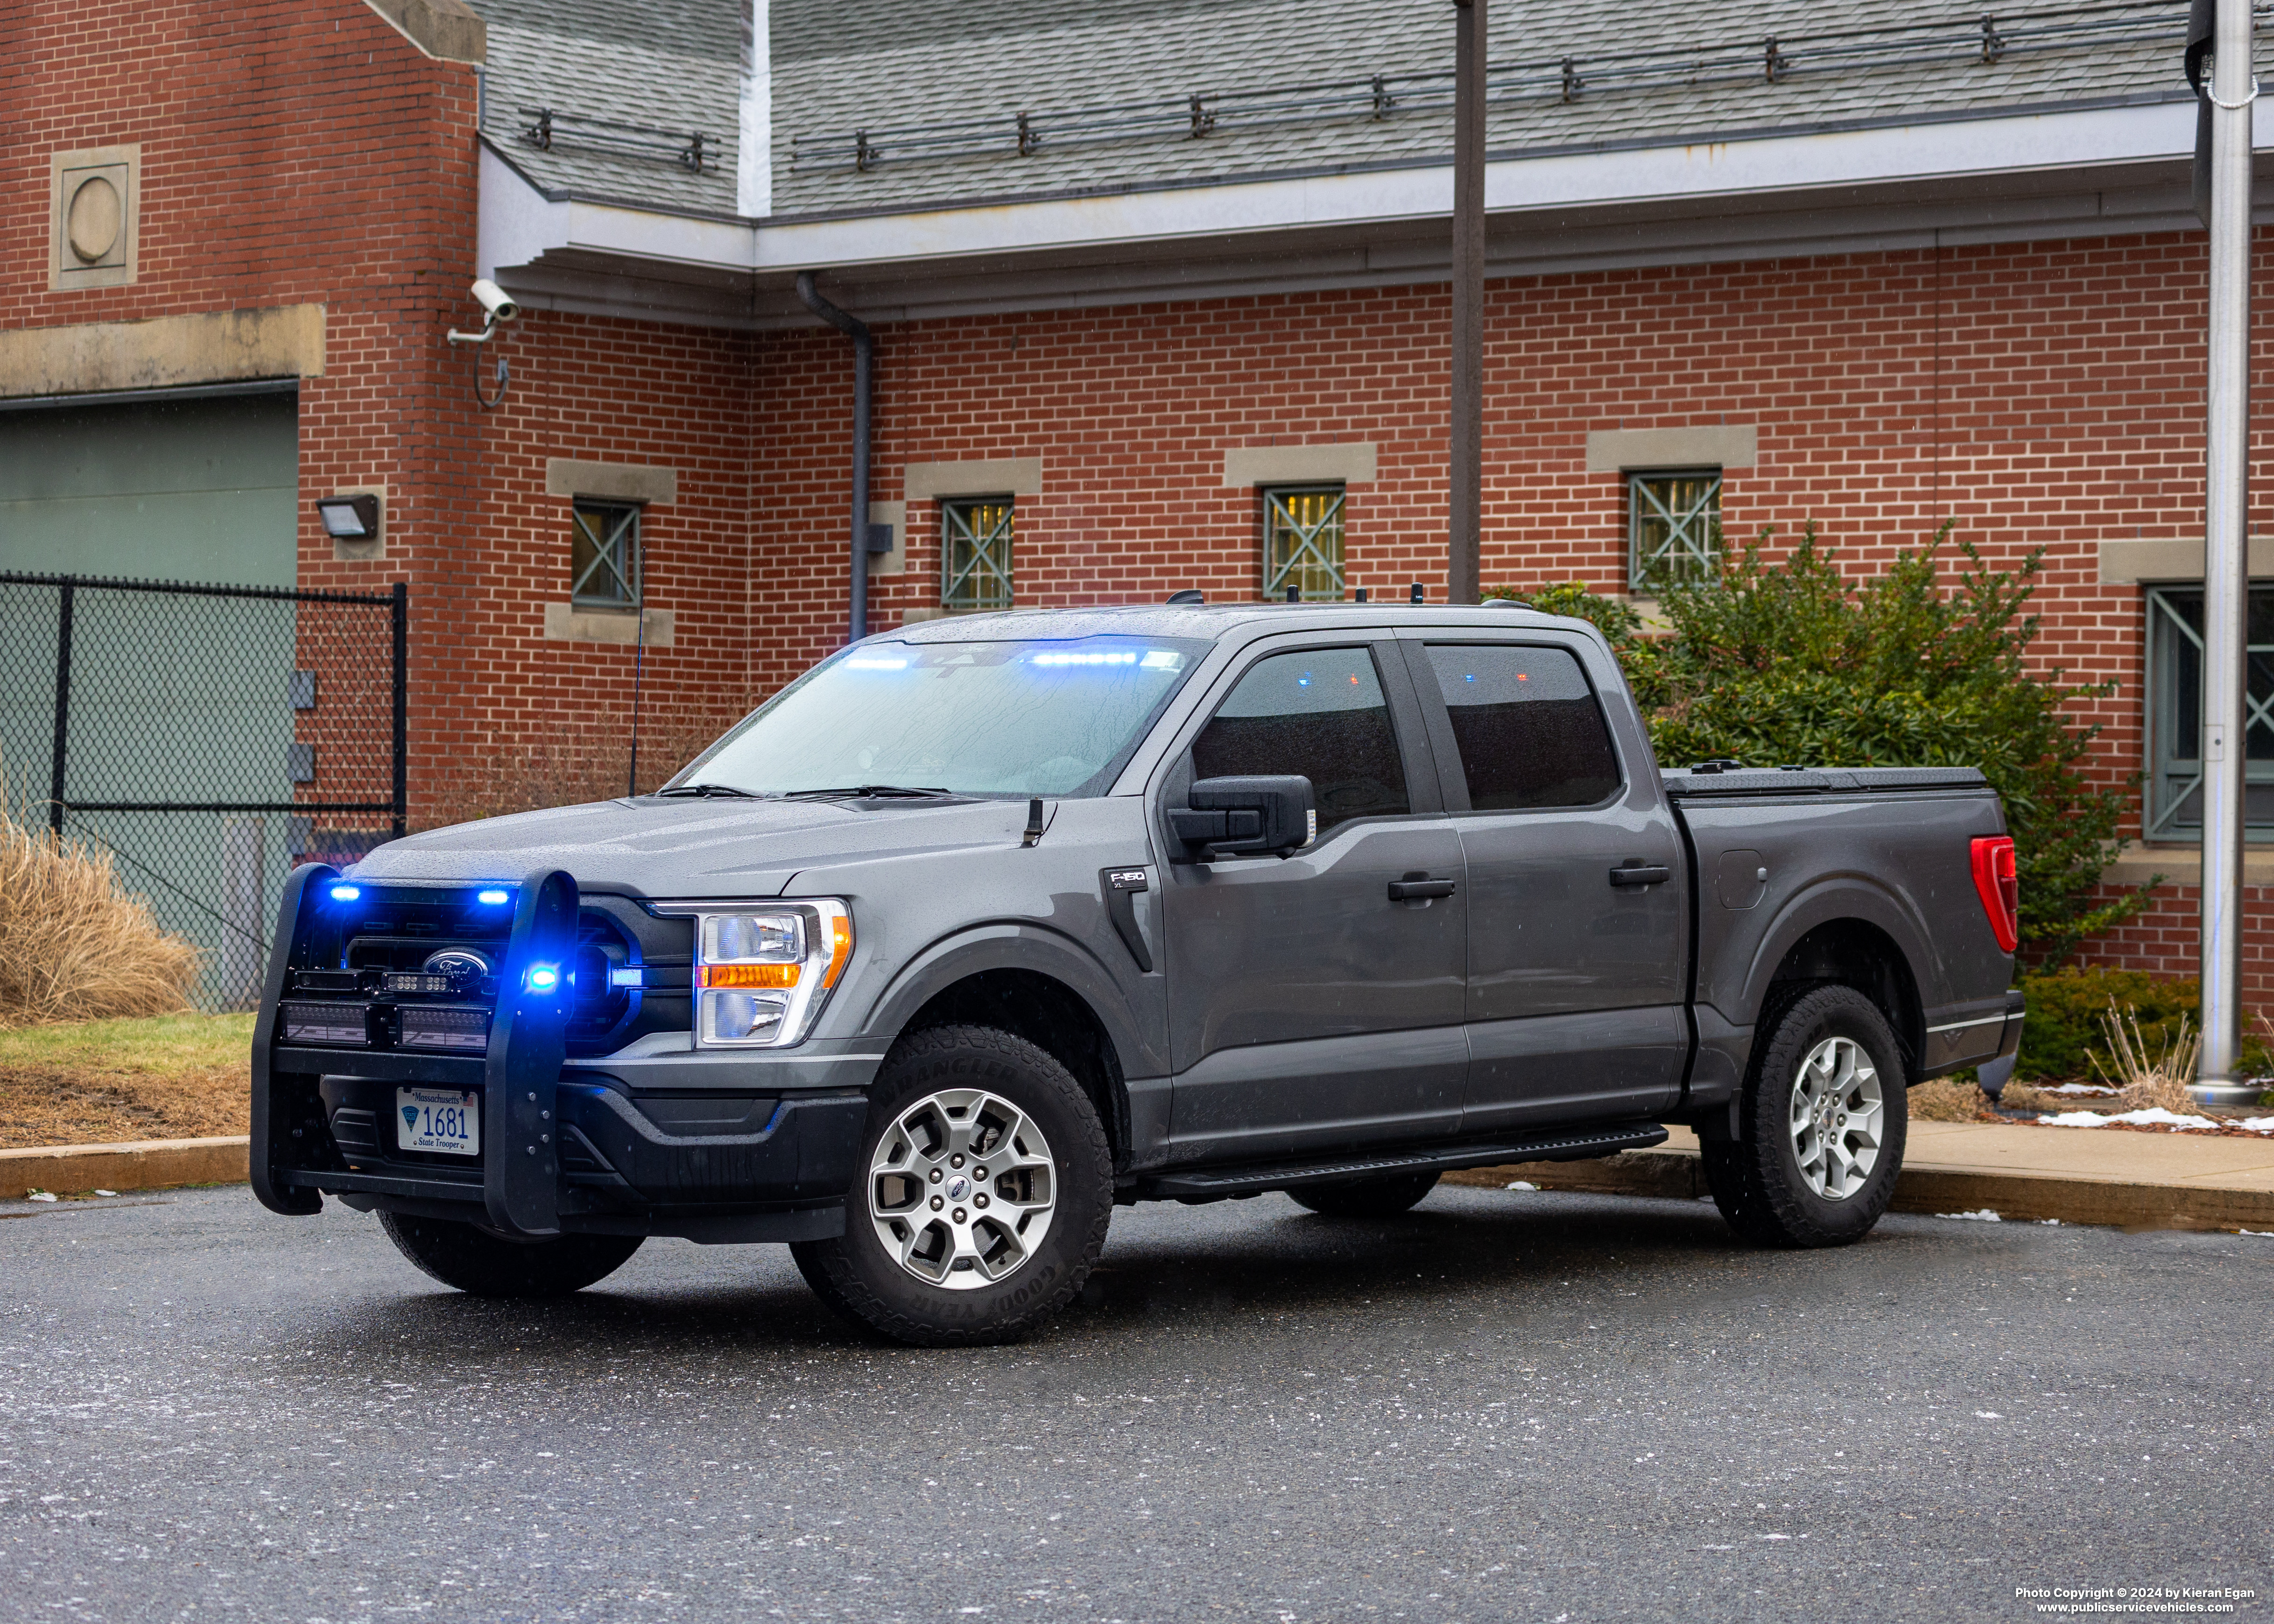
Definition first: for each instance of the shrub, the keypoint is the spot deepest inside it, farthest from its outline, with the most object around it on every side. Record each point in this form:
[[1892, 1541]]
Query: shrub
[[74, 944], [1792, 662], [2062, 1035]]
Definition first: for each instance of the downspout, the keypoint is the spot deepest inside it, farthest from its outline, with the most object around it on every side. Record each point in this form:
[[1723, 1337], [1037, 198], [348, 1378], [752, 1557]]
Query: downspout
[[864, 357]]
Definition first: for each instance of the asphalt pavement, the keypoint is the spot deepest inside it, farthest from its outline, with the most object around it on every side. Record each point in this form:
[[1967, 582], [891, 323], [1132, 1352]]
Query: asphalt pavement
[[1503, 1406]]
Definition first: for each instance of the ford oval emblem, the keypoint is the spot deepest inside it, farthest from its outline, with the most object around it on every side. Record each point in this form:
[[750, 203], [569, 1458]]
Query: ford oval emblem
[[461, 961], [957, 1187]]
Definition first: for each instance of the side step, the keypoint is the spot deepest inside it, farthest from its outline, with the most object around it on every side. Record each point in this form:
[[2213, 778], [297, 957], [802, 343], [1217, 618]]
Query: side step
[[1217, 1184]]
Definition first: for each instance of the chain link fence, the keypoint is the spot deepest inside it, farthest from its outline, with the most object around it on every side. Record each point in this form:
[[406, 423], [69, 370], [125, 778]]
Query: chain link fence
[[208, 738]]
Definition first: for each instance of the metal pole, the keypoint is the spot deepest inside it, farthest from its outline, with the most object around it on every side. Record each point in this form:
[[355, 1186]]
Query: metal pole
[[1462, 576], [62, 709], [2226, 594], [399, 617]]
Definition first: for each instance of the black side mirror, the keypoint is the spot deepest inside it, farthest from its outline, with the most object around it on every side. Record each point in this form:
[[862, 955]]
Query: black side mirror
[[1259, 814]]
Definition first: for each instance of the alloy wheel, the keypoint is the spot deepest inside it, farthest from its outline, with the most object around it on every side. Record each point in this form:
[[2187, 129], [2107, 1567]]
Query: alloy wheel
[[1837, 1116], [961, 1189]]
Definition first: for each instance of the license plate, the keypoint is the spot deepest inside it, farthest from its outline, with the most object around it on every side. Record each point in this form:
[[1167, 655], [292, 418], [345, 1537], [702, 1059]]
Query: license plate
[[444, 1120]]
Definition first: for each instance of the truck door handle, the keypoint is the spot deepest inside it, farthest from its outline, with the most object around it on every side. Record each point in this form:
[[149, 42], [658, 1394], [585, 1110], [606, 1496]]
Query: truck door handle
[[1418, 889], [1641, 873]]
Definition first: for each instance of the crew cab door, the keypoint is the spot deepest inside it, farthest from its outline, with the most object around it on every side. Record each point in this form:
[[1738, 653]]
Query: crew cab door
[[1309, 1007], [1577, 889]]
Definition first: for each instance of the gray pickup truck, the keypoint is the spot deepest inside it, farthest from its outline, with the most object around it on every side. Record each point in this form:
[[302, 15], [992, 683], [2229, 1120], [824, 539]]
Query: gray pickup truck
[[985, 925]]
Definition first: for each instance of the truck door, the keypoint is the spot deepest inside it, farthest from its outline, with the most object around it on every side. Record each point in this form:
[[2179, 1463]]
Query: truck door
[[1308, 1005], [1575, 922]]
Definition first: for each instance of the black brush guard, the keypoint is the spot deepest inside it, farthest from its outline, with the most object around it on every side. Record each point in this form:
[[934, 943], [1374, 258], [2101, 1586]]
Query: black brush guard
[[295, 1159]]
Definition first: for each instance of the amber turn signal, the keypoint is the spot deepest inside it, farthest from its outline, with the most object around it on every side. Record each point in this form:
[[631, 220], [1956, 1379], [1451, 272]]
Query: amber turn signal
[[747, 975]]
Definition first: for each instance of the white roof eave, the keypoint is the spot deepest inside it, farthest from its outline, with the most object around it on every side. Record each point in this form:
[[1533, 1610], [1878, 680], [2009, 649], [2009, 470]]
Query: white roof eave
[[519, 223]]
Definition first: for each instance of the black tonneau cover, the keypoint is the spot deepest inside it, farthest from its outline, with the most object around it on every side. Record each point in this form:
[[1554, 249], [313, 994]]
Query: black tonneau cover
[[1816, 781]]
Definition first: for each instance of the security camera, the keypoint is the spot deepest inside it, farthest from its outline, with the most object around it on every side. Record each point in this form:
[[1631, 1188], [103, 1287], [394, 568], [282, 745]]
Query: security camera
[[496, 300]]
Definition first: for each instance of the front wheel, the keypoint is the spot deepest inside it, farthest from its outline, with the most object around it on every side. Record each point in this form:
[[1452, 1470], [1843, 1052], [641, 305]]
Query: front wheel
[[485, 1264], [1822, 1121], [986, 1190]]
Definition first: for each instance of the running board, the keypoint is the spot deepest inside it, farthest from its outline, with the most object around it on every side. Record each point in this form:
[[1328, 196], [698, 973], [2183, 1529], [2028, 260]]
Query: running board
[[1217, 1184]]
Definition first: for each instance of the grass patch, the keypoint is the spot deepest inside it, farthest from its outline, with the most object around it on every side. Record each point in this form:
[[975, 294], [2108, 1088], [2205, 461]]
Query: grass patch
[[97, 1082]]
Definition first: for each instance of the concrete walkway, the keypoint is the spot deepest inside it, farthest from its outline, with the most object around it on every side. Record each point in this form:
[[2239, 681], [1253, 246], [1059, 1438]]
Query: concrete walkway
[[2146, 1181], [2153, 1181]]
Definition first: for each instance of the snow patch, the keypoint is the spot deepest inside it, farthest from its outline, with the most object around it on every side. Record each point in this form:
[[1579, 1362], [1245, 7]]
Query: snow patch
[[1520, 1184], [2154, 1117], [1984, 1216]]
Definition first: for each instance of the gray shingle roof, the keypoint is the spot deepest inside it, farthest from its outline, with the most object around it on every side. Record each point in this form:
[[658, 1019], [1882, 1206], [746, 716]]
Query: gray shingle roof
[[938, 83]]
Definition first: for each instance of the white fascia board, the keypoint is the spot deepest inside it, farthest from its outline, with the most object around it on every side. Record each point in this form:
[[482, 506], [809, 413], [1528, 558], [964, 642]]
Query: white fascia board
[[1704, 170], [518, 223]]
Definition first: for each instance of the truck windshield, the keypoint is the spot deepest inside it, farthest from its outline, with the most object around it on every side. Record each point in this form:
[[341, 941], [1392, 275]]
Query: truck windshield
[[976, 718]]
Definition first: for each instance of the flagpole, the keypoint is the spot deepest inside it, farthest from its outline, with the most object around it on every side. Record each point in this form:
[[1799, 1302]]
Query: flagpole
[[2227, 585], [1463, 575]]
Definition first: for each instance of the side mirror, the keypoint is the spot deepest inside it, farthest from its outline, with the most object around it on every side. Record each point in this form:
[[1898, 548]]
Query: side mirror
[[1259, 814]]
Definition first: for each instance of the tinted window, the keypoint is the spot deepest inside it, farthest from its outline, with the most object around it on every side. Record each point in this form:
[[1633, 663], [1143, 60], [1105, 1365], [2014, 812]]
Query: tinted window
[[1529, 729], [1319, 713]]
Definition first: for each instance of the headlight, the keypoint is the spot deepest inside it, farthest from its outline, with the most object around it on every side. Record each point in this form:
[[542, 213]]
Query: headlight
[[763, 974]]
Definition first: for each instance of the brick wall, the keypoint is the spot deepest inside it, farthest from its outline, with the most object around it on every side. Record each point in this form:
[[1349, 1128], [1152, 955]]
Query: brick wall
[[2044, 395], [292, 151]]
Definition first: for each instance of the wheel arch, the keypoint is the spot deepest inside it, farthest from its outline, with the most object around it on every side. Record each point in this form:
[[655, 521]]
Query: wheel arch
[[1862, 954], [1020, 982]]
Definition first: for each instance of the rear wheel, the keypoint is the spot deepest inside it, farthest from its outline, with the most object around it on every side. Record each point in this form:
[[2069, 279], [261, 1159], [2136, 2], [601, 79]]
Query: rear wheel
[[1366, 1198], [984, 1199], [475, 1261], [1822, 1123]]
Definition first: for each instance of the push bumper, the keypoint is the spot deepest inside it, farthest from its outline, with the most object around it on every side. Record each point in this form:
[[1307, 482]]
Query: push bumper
[[566, 1146]]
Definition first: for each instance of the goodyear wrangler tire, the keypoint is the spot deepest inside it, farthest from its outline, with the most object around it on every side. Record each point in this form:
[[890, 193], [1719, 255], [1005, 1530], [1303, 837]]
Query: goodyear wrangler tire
[[485, 1264], [1823, 1121], [985, 1191]]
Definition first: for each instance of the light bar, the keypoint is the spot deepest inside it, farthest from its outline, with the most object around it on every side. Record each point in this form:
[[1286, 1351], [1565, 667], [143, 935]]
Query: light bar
[[346, 893], [493, 896], [1121, 658]]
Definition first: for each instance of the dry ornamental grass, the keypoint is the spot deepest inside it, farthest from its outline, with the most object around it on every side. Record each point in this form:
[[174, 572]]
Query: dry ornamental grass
[[74, 944]]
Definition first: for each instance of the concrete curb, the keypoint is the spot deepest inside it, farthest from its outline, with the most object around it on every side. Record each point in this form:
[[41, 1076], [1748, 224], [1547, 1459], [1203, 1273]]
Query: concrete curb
[[149, 1164], [1677, 1174]]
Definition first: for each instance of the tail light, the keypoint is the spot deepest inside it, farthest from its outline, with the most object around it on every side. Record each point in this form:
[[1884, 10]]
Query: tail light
[[1999, 887]]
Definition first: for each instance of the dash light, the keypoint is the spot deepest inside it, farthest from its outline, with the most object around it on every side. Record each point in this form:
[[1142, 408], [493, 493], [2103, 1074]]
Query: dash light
[[346, 893], [493, 896]]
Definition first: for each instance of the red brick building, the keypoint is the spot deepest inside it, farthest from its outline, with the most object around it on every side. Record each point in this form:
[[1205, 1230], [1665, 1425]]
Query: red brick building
[[1882, 271]]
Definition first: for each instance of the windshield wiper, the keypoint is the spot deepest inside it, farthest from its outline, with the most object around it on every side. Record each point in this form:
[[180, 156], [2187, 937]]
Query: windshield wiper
[[867, 792], [706, 791]]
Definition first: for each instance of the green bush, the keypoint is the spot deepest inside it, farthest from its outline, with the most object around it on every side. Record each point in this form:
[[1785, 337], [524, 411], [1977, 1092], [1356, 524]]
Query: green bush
[[2062, 1031], [1792, 662]]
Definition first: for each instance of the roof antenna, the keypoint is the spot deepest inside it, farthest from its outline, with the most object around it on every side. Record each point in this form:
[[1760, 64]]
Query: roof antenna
[[1294, 594], [1362, 595], [1190, 595], [1034, 822], [1417, 593]]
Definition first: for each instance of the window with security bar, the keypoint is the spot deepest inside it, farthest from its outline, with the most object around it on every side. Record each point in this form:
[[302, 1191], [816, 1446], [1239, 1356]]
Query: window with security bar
[[974, 553], [604, 554], [2173, 811], [1674, 528], [1303, 542]]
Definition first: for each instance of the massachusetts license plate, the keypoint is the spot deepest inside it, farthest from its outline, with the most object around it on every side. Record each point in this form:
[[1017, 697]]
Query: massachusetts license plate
[[445, 1119]]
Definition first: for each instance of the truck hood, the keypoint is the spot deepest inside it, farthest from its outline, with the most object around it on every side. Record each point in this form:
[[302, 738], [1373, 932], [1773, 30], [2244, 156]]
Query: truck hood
[[688, 848]]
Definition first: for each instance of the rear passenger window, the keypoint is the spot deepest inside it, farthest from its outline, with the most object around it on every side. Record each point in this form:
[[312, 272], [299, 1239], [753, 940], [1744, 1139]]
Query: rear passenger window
[[1528, 727], [1321, 713]]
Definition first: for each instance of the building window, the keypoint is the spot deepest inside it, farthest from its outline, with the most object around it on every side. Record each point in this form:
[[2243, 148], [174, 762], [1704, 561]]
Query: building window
[[1674, 528], [2174, 808], [604, 554], [1303, 542], [974, 553]]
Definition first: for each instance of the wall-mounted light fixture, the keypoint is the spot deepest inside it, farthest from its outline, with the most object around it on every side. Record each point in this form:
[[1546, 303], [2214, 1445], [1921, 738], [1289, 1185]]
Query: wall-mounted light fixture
[[350, 518]]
